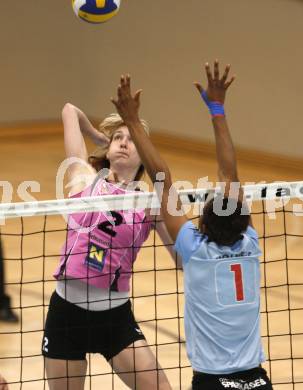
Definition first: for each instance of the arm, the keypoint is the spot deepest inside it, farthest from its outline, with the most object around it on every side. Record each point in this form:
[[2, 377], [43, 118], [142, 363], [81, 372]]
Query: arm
[[168, 242], [214, 97], [225, 151], [128, 108], [76, 124]]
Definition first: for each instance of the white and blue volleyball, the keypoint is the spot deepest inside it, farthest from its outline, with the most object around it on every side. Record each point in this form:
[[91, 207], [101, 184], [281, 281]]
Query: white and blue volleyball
[[96, 11]]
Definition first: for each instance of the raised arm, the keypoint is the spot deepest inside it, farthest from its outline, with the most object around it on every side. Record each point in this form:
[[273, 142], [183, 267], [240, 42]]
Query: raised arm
[[128, 108], [76, 124], [214, 97]]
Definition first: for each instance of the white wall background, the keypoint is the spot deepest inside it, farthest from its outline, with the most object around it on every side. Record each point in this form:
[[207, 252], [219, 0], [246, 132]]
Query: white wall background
[[49, 57]]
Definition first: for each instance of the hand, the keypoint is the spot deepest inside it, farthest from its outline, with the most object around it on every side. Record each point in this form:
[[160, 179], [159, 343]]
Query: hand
[[100, 139], [126, 104], [217, 86], [86, 126]]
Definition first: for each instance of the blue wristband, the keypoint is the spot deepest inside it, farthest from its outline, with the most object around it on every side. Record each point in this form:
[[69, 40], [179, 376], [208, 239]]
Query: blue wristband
[[215, 108]]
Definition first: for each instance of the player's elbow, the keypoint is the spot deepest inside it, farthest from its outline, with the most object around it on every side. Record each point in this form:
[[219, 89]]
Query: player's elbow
[[67, 109]]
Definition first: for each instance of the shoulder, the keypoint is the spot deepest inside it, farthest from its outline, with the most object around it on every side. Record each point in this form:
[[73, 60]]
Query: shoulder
[[188, 240], [89, 185], [189, 227], [251, 233], [251, 241]]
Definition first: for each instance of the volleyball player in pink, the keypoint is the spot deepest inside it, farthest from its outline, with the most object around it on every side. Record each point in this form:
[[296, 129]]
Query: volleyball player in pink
[[90, 311]]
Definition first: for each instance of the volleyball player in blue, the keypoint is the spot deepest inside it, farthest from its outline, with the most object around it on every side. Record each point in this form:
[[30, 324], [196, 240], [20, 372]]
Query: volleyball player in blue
[[220, 258]]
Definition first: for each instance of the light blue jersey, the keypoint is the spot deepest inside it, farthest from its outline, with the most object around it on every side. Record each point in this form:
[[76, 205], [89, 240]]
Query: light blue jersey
[[222, 301]]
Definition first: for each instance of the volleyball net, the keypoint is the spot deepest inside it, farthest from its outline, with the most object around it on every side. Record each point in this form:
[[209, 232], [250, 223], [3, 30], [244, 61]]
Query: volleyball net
[[32, 234]]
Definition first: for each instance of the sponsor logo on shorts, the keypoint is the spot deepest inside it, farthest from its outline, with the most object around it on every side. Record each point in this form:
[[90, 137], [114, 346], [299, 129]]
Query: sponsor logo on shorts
[[139, 331], [242, 385]]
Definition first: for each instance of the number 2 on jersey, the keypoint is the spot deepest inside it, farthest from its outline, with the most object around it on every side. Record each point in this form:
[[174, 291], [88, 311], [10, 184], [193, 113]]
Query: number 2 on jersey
[[108, 227], [238, 280]]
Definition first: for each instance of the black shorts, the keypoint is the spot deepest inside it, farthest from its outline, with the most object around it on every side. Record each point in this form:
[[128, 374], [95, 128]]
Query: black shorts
[[255, 378], [71, 332]]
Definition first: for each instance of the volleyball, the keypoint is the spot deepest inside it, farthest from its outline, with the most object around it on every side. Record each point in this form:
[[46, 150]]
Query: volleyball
[[96, 11]]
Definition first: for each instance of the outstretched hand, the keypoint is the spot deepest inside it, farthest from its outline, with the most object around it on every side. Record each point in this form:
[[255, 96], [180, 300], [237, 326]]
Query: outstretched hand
[[127, 105], [217, 86]]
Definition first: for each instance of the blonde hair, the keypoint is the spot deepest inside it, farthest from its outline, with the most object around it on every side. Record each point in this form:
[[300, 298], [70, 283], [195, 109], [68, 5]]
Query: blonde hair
[[108, 127]]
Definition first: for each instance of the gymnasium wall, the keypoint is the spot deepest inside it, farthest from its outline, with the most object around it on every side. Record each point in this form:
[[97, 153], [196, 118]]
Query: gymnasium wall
[[49, 57]]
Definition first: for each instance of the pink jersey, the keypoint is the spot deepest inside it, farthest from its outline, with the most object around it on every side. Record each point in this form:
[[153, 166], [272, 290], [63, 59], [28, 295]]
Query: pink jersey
[[101, 248]]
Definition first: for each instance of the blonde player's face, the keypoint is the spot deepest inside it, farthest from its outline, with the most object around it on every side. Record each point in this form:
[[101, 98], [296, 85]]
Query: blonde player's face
[[122, 151]]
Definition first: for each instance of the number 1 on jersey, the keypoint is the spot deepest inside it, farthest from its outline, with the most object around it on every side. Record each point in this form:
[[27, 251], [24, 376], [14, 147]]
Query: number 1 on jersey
[[237, 269]]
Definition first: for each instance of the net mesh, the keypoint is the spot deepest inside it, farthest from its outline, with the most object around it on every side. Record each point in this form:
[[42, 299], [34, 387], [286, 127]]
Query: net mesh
[[32, 253]]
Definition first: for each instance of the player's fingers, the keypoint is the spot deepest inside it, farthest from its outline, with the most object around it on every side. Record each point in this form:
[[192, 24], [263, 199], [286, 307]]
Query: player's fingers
[[208, 73], [127, 80], [216, 70], [225, 74], [199, 87], [105, 139], [227, 85], [122, 80], [125, 85], [115, 103], [138, 95]]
